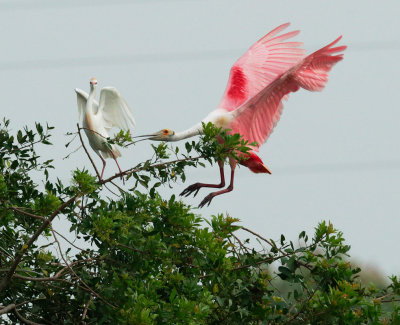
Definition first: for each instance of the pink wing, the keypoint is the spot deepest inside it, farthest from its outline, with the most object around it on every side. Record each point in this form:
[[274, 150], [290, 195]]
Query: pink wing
[[257, 117], [259, 66]]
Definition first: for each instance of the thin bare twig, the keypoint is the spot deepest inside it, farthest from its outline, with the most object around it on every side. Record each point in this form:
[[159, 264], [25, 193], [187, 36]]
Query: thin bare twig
[[86, 308], [18, 257], [28, 301], [87, 153], [240, 243], [12, 308], [282, 252], [27, 213], [259, 236], [304, 304], [23, 319], [6, 309], [68, 241], [138, 169], [67, 156], [234, 249], [78, 277]]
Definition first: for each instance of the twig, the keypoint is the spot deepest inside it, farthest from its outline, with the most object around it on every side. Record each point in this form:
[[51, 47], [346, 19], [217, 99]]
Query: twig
[[240, 243], [138, 169], [93, 131], [304, 304], [68, 241], [12, 308], [261, 237], [282, 252], [5, 310], [23, 319], [234, 249], [18, 257], [28, 301], [27, 213], [78, 277], [67, 156], [87, 153], [86, 308]]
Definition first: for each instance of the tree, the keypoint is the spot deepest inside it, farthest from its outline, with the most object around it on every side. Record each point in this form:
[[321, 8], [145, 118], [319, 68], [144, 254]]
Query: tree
[[151, 260]]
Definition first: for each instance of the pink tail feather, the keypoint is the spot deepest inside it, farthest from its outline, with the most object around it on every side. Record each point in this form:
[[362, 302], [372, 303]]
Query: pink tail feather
[[312, 74]]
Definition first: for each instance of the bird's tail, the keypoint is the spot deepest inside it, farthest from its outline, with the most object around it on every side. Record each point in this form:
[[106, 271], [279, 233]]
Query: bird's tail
[[312, 73], [107, 153]]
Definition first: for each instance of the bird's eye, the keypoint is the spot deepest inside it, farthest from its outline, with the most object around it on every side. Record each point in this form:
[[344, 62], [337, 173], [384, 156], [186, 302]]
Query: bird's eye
[[165, 132]]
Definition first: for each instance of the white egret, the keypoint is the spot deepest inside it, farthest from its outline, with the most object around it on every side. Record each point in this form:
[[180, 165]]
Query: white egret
[[98, 118]]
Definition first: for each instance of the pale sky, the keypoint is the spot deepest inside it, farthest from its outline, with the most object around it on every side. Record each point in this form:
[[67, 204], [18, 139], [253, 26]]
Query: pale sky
[[334, 155]]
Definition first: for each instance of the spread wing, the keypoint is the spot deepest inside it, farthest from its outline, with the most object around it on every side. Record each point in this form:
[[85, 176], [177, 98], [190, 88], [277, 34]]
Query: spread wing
[[256, 118], [81, 97], [259, 66], [115, 110]]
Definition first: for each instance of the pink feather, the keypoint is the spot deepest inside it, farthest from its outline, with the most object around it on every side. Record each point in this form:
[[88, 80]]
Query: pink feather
[[257, 117], [259, 66]]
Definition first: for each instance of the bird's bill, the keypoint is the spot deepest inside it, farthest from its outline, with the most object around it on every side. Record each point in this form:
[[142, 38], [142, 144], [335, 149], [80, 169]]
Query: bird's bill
[[153, 136], [267, 169]]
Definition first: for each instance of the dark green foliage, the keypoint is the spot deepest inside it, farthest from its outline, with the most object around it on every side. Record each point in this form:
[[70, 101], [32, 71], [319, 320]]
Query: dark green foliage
[[151, 260]]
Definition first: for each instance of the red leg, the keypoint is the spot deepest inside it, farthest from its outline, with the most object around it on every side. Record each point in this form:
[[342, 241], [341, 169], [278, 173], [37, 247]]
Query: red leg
[[119, 168], [115, 158], [197, 186], [104, 164], [207, 200]]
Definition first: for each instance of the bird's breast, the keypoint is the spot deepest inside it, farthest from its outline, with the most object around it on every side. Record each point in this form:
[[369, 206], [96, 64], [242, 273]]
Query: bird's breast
[[89, 122], [222, 121], [220, 118]]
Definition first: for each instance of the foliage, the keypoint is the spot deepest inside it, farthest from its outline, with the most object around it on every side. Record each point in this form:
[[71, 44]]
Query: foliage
[[151, 260]]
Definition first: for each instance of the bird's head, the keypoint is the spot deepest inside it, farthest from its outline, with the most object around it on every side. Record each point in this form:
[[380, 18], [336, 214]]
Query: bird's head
[[162, 135], [93, 82]]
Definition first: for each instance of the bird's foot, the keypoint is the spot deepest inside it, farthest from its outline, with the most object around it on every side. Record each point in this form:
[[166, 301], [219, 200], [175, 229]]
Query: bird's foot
[[190, 189], [207, 200]]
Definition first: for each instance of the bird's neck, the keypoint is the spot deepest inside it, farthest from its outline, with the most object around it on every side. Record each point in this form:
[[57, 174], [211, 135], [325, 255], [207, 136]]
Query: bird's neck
[[191, 132], [90, 100]]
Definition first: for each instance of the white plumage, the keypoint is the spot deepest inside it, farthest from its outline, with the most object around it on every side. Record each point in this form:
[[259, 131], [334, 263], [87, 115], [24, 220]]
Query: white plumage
[[98, 118]]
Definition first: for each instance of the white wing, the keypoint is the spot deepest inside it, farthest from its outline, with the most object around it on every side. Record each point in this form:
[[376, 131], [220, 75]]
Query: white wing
[[81, 97], [115, 110]]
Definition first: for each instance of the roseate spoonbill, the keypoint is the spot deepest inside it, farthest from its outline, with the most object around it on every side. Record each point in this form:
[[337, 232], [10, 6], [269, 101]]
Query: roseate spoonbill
[[252, 103], [99, 118]]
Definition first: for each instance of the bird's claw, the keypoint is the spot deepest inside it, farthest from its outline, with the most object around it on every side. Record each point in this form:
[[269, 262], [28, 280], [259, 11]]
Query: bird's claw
[[207, 200], [190, 189]]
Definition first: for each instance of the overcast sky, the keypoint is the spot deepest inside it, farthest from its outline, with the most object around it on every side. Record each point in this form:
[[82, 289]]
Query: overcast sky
[[334, 155]]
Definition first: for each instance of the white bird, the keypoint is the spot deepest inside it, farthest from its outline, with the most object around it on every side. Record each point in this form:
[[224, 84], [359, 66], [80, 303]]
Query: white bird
[[98, 118]]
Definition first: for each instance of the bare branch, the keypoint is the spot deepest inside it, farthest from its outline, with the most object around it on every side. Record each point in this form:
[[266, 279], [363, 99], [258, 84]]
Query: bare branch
[[27, 213], [68, 241], [5, 310], [78, 277], [22, 319], [138, 169], [259, 236], [18, 257], [86, 308], [12, 308], [87, 153]]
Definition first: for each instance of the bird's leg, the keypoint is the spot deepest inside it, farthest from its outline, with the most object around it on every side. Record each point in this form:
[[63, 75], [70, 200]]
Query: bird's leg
[[197, 186], [119, 168], [104, 164], [207, 200]]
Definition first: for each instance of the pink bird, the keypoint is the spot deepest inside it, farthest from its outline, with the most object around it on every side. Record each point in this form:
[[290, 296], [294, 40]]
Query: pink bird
[[252, 103]]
